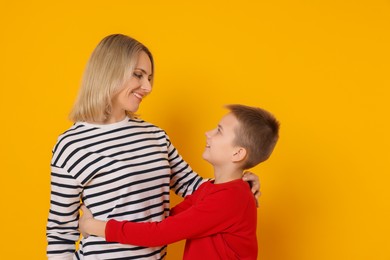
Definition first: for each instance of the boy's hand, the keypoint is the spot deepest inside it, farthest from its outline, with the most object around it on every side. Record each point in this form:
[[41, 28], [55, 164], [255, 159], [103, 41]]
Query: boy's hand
[[254, 183], [84, 219]]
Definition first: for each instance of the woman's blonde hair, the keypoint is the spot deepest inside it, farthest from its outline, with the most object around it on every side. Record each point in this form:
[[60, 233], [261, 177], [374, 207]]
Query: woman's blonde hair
[[111, 63]]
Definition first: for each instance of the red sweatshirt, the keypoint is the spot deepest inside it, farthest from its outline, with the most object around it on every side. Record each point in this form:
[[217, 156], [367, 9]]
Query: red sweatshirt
[[218, 221]]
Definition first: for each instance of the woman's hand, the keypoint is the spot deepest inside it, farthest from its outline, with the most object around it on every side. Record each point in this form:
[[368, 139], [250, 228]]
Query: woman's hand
[[254, 183]]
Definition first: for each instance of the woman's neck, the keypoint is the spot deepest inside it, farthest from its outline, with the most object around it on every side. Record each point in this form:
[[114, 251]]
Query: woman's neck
[[114, 118]]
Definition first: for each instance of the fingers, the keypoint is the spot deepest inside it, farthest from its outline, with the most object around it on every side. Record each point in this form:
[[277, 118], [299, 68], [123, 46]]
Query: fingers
[[256, 190], [253, 180], [83, 218], [254, 183], [251, 177], [255, 187], [86, 212], [257, 194], [246, 176], [85, 235], [83, 208]]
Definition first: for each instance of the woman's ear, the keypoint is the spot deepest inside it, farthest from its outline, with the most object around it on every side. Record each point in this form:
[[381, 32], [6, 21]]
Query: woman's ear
[[239, 155]]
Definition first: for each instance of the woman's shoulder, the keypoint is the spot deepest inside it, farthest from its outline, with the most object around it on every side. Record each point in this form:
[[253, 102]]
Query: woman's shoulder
[[84, 133], [80, 128], [141, 122], [73, 133], [74, 130]]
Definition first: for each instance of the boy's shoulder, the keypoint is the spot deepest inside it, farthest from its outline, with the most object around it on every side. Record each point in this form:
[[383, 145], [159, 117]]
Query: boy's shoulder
[[233, 188], [235, 195]]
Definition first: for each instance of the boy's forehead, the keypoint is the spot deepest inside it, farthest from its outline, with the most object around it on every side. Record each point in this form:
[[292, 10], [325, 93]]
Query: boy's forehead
[[228, 120]]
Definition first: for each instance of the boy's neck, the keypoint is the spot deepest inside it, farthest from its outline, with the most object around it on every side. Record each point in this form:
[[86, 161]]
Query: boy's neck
[[226, 175]]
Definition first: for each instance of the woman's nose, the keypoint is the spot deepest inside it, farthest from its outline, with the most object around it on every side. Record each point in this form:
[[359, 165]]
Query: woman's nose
[[146, 85]]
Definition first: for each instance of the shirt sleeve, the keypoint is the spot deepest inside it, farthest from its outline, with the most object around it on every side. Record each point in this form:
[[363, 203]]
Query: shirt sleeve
[[213, 215], [184, 180], [182, 206], [62, 225]]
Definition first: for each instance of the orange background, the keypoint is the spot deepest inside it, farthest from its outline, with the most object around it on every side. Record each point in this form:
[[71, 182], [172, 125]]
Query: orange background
[[322, 67]]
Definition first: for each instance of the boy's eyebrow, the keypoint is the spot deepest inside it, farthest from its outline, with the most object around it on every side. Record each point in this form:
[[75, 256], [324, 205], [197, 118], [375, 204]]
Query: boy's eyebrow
[[219, 126]]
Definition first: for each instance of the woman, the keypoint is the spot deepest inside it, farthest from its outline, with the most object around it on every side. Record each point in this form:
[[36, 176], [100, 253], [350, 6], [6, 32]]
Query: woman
[[118, 165]]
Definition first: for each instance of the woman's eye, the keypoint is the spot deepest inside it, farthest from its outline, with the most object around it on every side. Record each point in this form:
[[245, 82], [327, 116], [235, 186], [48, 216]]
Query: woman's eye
[[137, 75]]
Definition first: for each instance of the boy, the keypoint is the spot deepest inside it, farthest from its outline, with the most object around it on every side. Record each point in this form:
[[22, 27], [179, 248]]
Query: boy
[[219, 219]]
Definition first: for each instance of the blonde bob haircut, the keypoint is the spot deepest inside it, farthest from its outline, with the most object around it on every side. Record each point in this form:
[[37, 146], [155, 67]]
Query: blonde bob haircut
[[111, 63]]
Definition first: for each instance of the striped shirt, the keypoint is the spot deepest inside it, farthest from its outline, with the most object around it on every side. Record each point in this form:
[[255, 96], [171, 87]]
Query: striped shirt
[[123, 171]]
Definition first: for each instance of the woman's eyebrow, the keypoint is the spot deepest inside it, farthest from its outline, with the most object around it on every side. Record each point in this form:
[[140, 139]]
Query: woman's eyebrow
[[143, 71]]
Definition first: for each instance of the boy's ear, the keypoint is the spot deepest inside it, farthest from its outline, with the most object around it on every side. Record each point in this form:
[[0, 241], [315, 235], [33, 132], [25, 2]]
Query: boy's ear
[[239, 155]]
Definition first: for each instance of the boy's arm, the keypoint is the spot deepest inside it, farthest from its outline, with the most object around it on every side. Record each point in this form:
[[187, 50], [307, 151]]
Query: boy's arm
[[182, 206], [213, 215], [90, 226]]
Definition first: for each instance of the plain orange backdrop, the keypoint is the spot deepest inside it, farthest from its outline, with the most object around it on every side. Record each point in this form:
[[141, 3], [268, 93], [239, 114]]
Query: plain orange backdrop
[[322, 67]]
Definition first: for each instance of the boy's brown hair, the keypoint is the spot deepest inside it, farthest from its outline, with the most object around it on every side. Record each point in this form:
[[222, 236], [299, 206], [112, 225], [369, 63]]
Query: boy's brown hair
[[258, 132]]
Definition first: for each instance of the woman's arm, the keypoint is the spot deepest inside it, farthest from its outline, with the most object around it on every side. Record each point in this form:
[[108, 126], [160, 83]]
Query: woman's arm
[[61, 230], [184, 181], [254, 182]]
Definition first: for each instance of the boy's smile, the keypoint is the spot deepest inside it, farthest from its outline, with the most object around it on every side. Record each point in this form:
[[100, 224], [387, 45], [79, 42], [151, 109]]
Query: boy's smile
[[220, 141]]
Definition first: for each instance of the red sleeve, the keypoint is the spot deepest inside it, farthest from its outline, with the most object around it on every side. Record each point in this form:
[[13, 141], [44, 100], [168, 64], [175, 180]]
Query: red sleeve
[[217, 212], [182, 206]]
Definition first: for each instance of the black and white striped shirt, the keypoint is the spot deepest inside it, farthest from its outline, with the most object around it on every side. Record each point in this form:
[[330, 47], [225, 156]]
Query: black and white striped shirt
[[123, 171]]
